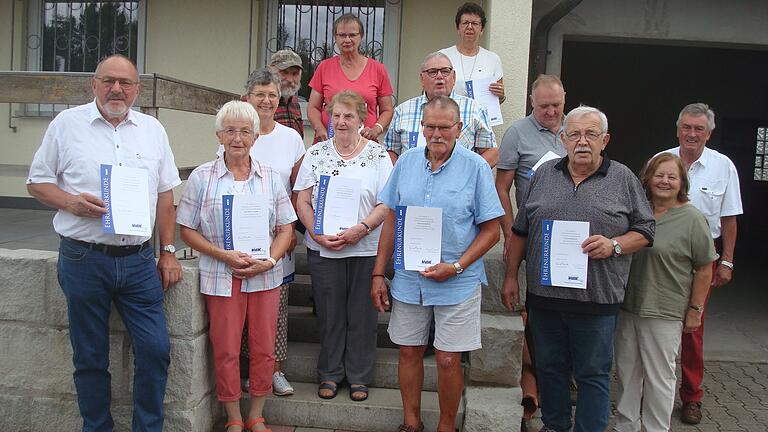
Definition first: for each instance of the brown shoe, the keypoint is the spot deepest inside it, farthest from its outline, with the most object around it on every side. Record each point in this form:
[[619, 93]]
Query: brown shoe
[[406, 428], [691, 413]]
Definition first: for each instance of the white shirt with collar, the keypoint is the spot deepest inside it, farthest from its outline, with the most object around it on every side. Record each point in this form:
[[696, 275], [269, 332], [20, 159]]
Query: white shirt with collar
[[78, 141], [714, 187]]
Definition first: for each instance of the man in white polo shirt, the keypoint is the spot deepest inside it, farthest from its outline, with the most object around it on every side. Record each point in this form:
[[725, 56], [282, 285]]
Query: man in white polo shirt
[[715, 192], [97, 268]]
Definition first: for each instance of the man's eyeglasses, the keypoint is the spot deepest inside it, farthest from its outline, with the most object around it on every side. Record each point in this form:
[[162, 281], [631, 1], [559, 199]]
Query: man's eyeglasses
[[590, 136], [244, 133], [432, 73], [442, 129], [109, 82]]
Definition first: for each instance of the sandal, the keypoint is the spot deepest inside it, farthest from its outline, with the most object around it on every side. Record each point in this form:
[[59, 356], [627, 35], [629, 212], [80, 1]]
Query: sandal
[[235, 423], [327, 385], [358, 388], [253, 422]]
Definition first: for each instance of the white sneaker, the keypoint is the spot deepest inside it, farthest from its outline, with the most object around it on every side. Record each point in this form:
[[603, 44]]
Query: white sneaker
[[280, 385]]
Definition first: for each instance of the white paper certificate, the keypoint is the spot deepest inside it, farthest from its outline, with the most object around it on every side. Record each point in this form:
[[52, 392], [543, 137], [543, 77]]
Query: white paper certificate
[[125, 192], [548, 156], [563, 263], [418, 237], [246, 224], [338, 202], [479, 90]]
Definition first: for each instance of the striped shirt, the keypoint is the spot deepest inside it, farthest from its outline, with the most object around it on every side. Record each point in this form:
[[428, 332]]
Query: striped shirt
[[201, 209], [476, 132]]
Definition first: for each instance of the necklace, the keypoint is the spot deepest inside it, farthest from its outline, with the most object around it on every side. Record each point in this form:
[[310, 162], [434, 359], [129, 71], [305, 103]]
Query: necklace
[[239, 187], [350, 153], [474, 62]]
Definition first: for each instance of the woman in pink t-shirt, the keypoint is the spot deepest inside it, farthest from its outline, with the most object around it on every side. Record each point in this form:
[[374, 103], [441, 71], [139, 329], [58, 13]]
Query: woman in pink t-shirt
[[350, 70]]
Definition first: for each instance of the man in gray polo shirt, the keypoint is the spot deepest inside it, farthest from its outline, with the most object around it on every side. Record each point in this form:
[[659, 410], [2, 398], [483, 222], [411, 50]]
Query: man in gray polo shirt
[[572, 327], [527, 141]]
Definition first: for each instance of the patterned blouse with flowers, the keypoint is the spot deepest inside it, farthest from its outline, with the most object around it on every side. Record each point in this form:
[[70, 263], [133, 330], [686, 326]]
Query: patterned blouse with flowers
[[200, 208], [372, 166]]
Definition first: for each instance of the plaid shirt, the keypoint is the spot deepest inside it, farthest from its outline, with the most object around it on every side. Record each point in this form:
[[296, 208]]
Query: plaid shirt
[[201, 209], [289, 114], [476, 132]]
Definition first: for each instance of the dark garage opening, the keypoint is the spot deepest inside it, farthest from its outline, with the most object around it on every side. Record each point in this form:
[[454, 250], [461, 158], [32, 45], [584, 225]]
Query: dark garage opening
[[642, 87]]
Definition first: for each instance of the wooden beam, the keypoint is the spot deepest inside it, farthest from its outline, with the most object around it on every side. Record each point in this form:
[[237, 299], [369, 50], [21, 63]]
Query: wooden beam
[[74, 88]]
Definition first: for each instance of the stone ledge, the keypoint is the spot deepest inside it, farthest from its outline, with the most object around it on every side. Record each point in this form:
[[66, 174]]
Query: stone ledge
[[501, 354], [492, 409], [24, 273]]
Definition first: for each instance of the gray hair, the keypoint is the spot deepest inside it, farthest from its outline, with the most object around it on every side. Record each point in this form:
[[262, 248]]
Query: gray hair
[[263, 77], [698, 109], [546, 80], [430, 56], [444, 102], [237, 110], [585, 110]]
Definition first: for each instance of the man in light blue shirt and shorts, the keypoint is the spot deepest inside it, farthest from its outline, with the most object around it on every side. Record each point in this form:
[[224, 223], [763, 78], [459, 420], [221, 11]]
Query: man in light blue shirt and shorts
[[460, 182]]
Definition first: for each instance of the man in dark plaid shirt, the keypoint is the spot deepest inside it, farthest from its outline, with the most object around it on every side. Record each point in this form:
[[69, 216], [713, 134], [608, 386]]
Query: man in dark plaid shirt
[[288, 64]]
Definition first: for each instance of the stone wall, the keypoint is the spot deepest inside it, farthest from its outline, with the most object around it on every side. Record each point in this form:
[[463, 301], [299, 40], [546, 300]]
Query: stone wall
[[36, 388]]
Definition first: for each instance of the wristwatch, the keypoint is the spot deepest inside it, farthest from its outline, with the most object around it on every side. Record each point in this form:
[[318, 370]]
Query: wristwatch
[[697, 308], [459, 269], [616, 248], [169, 248]]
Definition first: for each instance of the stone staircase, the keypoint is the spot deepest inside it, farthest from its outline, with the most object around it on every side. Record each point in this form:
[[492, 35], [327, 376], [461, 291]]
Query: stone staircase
[[490, 403]]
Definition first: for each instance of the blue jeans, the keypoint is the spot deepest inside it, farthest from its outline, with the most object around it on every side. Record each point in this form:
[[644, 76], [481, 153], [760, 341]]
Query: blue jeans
[[578, 345], [91, 281]]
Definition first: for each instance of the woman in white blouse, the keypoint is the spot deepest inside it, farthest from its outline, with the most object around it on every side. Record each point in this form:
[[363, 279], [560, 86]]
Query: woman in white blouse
[[237, 287], [341, 263], [471, 61]]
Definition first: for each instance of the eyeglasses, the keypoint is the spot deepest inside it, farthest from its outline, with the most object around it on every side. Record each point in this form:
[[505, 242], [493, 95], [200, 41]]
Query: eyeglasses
[[471, 23], [590, 136], [347, 35], [432, 73], [109, 82], [244, 133], [263, 95], [442, 129]]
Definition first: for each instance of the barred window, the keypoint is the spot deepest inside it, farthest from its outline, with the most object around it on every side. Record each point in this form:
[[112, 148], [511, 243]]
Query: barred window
[[306, 26], [761, 154], [76, 35]]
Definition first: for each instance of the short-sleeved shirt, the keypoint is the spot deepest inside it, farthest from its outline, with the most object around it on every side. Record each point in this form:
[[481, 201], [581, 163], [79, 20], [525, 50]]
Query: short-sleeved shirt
[[280, 150], [403, 132], [78, 141], [288, 113], [714, 188], [463, 187], [661, 277], [612, 200], [523, 145], [201, 209], [372, 166], [372, 84], [483, 65]]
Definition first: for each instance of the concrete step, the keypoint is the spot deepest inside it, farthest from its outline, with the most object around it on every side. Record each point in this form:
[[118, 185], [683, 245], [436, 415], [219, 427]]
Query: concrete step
[[301, 291], [302, 327], [301, 366], [381, 412]]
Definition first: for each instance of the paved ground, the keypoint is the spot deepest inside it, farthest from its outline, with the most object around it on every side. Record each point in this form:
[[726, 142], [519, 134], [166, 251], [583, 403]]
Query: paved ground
[[736, 340]]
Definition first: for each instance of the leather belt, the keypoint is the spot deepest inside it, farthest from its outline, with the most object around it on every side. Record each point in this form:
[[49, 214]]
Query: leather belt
[[111, 250]]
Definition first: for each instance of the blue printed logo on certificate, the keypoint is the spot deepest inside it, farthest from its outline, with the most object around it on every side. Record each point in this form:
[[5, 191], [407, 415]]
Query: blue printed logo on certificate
[[563, 263], [418, 237], [125, 192], [246, 224], [337, 203]]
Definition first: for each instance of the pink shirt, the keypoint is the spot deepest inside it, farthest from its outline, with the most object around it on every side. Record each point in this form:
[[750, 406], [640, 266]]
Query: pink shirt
[[373, 83]]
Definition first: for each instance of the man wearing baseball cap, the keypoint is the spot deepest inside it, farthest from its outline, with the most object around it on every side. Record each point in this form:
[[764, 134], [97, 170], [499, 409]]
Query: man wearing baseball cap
[[288, 64]]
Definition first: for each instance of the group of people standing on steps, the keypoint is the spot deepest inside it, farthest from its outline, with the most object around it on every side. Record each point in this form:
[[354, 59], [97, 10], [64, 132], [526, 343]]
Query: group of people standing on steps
[[655, 245]]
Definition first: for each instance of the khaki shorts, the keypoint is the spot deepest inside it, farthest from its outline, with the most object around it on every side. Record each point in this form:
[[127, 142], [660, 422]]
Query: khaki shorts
[[457, 327]]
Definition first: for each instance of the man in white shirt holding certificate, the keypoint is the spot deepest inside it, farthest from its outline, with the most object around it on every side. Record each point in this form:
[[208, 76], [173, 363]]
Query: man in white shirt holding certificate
[[447, 186], [99, 264]]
